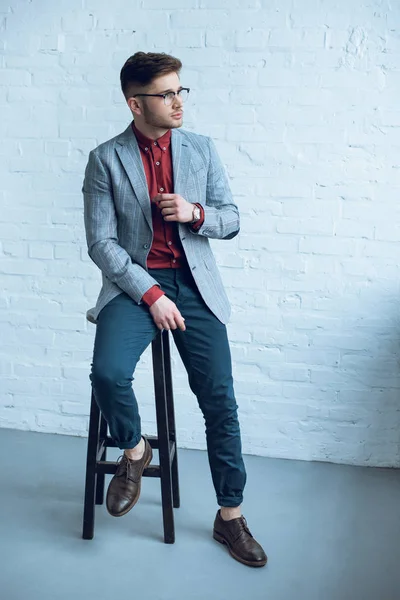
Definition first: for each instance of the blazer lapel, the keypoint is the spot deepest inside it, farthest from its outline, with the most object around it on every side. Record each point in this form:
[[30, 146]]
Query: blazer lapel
[[129, 153], [180, 162]]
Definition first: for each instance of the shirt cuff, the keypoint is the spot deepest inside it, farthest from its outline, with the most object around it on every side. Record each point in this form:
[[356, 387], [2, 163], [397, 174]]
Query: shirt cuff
[[199, 223], [152, 295]]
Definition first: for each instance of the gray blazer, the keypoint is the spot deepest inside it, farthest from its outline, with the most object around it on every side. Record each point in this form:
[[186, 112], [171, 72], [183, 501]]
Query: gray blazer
[[118, 222]]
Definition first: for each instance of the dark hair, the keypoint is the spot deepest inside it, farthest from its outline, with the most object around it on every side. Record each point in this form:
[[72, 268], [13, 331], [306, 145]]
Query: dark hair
[[141, 68]]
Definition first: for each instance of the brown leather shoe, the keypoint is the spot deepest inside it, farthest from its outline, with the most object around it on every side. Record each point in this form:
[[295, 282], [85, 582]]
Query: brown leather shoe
[[124, 489], [241, 544]]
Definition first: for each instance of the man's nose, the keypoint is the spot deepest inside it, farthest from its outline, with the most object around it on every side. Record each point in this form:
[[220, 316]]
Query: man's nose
[[178, 102]]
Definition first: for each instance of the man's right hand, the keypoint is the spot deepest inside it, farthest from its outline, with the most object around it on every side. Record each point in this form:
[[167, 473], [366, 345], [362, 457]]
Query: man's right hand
[[166, 314]]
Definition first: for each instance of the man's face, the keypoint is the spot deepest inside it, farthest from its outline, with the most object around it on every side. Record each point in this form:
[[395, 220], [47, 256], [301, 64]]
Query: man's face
[[153, 111]]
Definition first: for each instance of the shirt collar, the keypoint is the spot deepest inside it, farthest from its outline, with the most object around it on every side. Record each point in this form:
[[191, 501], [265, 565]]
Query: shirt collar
[[145, 143]]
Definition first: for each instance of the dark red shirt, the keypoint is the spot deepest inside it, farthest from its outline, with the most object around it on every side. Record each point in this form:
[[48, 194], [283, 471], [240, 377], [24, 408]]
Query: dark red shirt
[[166, 250]]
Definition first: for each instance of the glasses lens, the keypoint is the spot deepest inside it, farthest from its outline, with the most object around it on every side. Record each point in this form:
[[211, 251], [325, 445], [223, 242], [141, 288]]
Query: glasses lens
[[168, 99], [183, 94]]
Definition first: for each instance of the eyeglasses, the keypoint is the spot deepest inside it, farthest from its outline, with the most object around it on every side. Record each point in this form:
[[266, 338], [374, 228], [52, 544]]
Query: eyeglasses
[[183, 93]]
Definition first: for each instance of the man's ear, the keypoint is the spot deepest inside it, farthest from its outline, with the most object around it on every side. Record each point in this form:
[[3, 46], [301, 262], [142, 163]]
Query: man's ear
[[134, 106]]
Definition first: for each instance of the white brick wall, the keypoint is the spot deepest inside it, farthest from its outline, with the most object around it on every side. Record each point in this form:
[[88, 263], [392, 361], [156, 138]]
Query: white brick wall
[[301, 98]]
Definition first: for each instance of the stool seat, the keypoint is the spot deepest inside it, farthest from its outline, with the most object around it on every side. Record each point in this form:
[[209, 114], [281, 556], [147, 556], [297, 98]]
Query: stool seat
[[97, 465]]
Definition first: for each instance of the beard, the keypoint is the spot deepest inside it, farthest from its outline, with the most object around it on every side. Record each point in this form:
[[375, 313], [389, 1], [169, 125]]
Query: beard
[[162, 122]]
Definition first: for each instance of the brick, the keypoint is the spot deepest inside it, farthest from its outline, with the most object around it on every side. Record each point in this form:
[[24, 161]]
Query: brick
[[204, 19], [44, 251], [17, 77], [289, 373], [251, 39]]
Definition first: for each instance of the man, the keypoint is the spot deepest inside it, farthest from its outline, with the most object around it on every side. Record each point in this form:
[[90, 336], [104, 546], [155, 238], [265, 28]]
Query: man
[[153, 197]]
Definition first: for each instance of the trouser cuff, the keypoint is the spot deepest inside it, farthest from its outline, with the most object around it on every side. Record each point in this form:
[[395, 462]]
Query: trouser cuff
[[127, 445], [231, 502]]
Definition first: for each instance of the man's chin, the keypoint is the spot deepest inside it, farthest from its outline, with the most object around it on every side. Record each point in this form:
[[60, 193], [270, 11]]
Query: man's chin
[[176, 123]]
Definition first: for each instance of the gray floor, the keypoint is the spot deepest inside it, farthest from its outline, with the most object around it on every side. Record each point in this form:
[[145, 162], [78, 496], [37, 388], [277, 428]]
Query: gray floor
[[331, 532]]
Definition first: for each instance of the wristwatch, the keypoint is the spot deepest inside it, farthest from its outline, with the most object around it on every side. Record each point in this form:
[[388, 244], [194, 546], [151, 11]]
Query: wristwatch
[[196, 214]]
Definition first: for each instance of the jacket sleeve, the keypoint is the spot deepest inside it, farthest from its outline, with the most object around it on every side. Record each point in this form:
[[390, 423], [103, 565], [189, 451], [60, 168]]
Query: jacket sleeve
[[102, 235], [221, 215]]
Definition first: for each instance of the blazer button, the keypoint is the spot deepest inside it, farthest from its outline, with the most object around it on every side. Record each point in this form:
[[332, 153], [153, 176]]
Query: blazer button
[[145, 245]]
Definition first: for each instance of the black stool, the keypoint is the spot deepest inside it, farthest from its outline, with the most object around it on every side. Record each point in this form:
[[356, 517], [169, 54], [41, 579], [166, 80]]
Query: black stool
[[98, 442]]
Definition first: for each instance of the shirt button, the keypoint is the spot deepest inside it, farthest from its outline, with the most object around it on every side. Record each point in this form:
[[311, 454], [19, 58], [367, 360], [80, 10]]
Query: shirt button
[[169, 243], [155, 143], [146, 149], [161, 189], [174, 261], [164, 148], [157, 163]]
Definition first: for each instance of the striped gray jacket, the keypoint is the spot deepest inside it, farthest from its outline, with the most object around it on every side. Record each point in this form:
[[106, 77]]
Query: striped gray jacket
[[118, 222]]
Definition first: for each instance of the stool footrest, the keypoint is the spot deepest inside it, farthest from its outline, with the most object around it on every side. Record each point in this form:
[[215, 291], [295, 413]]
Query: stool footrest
[[109, 467], [108, 442]]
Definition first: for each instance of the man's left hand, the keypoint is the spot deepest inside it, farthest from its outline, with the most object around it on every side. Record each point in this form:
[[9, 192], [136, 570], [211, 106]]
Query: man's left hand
[[174, 208]]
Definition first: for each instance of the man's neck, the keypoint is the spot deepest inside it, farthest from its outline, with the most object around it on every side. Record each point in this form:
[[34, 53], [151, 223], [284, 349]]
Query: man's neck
[[153, 133]]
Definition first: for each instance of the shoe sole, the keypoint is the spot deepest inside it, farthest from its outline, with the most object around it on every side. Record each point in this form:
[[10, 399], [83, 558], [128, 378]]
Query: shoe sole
[[222, 540], [126, 510]]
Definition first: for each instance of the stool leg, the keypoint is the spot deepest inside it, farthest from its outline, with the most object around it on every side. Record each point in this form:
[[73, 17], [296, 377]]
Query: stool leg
[[163, 439], [101, 476], [90, 483], [171, 419]]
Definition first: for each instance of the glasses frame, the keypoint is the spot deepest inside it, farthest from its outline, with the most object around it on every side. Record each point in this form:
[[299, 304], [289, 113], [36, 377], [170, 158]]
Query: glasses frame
[[165, 95]]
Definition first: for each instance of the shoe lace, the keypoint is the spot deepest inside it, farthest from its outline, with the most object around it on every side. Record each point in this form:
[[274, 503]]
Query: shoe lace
[[122, 466], [242, 527]]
